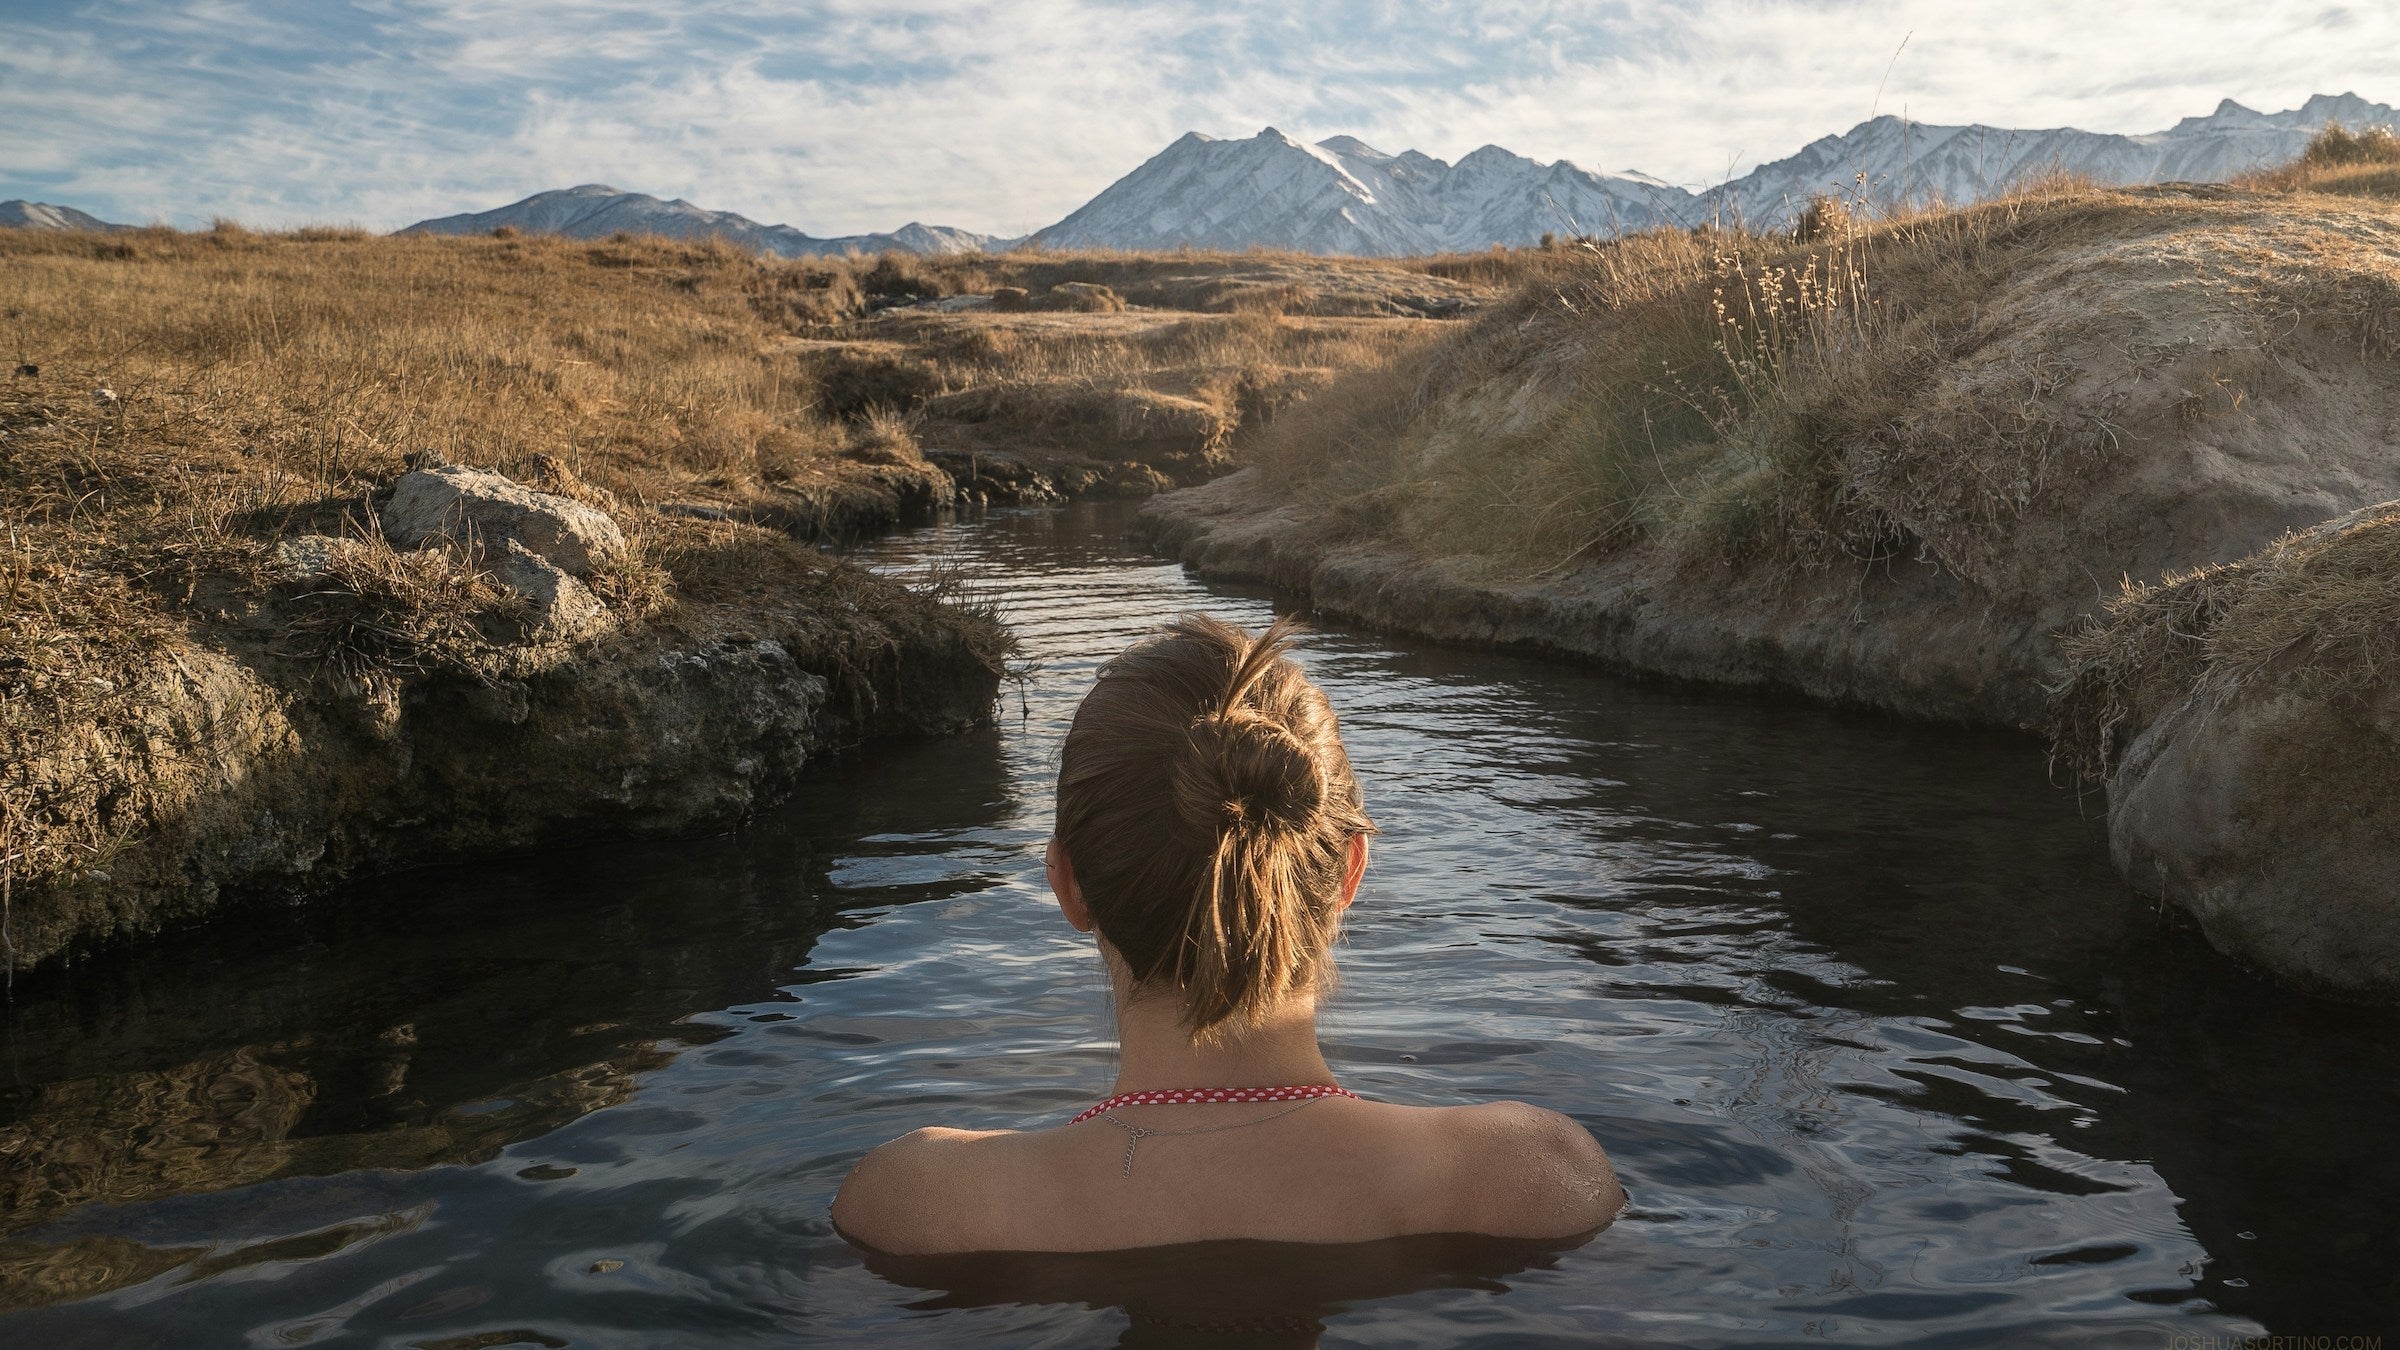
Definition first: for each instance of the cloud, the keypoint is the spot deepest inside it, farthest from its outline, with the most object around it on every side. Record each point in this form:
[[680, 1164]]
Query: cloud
[[848, 115]]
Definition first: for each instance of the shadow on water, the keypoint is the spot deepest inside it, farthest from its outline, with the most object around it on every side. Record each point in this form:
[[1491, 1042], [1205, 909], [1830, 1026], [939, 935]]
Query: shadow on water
[[427, 1019], [1263, 1294]]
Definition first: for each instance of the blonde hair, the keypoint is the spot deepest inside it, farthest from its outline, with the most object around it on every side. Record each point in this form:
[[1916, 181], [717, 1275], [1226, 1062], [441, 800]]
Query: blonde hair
[[1207, 808]]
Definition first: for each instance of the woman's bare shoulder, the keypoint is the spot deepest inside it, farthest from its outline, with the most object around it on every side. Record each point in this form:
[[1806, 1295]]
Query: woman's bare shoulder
[[1525, 1171], [906, 1196]]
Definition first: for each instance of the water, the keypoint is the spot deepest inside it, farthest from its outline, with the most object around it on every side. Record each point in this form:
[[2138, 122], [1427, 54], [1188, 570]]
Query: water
[[1883, 1050]]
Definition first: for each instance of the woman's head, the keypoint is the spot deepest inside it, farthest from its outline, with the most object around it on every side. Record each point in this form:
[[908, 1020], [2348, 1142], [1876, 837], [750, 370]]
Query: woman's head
[[1207, 811]]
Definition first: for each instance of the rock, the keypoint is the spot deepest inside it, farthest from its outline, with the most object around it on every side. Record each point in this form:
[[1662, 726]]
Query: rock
[[310, 557], [487, 510], [1012, 299], [2259, 785], [563, 609], [2273, 818], [238, 763]]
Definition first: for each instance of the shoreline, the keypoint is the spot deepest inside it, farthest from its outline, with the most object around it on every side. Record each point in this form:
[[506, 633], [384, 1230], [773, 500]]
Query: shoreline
[[1818, 639]]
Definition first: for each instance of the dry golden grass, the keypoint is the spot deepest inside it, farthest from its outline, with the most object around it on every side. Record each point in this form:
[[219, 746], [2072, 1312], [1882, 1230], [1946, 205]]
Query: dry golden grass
[[2341, 162], [264, 384], [261, 386], [833, 290], [1692, 383], [1766, 400], [644, 366], [2337, 146], [330, 357], [1096, 385]]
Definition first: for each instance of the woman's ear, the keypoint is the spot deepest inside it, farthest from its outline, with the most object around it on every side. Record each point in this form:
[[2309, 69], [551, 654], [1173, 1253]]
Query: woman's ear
[[1062, 885], [1355, 870]]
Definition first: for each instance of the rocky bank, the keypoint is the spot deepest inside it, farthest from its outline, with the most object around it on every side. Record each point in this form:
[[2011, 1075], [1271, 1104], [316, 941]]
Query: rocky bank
[[485, 667]]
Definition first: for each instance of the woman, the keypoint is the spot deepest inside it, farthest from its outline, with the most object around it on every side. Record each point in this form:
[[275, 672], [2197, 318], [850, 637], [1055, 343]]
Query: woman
[[1211, 833]]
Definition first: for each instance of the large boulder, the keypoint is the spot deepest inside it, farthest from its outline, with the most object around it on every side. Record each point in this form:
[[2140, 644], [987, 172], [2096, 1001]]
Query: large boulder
[[2248, 721], [485, 512], [2273, 817]]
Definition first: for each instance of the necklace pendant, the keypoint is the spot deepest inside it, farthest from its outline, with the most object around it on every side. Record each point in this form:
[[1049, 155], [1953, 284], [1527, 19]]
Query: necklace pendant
[[1134, 1134]]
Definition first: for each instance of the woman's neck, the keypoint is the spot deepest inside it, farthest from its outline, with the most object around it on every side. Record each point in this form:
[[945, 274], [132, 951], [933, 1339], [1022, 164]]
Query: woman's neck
[[1157, 1054]]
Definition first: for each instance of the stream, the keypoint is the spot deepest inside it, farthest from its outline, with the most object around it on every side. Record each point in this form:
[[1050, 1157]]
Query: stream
[[1883, 1049]]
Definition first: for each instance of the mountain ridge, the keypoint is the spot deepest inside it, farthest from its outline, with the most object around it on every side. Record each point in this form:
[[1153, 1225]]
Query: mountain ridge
[[596, 211], [18, 213], [1342, 195], [1909, 162]]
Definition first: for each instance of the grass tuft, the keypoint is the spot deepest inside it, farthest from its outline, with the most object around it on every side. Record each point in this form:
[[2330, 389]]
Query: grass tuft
[[2341, 162]]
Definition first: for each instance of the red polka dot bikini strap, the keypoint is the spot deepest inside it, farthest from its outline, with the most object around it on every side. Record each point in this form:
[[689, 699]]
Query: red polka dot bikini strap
[[1214, 1097]]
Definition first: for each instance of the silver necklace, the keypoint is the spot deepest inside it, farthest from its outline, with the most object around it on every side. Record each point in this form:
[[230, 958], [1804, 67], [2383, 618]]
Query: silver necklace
[[1135, 1134]]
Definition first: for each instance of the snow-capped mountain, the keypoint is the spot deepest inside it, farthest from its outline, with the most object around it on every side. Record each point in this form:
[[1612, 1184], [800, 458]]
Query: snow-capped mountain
[[1914, 162], [25, 215], [1344, 196], [596, 211]]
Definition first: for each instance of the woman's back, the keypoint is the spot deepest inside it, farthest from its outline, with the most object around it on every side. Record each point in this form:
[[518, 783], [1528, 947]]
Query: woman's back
[[1331, 1170], [1211, 836]]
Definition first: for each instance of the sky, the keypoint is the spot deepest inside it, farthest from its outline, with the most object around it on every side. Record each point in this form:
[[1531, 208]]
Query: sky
[[845, 116]]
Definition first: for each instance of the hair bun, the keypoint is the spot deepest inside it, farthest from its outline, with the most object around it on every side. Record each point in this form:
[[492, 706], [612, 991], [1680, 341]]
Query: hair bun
[[1247, 771]]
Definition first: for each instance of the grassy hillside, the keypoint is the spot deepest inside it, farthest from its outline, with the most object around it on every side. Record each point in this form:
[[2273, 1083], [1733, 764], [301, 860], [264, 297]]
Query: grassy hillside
[[1885, 386], [179, 402], [174, 406]]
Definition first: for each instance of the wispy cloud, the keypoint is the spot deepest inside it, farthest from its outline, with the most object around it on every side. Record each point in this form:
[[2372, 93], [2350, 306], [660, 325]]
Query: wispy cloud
[[849, 115]]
